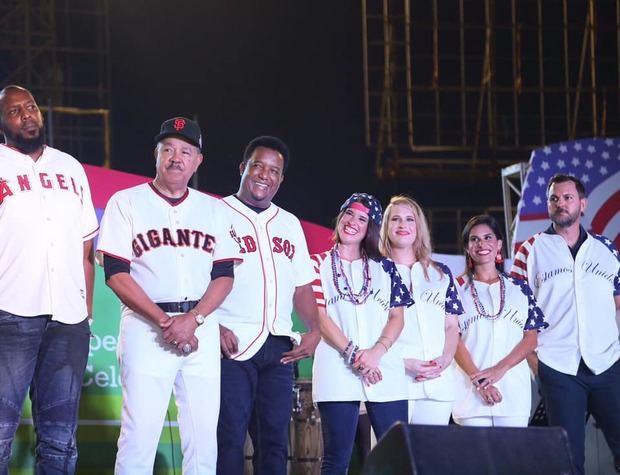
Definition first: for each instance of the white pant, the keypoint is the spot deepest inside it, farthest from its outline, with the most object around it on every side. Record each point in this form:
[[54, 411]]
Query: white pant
[[429, 412], [493, 421], [150, 370]]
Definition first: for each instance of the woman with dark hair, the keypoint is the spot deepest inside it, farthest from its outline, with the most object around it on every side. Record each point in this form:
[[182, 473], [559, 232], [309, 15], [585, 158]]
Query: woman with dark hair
[[361, 299], [431, 333], [498, 330]]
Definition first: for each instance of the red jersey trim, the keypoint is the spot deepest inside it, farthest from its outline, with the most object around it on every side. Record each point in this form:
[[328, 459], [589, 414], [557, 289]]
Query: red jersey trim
[[167, 198]]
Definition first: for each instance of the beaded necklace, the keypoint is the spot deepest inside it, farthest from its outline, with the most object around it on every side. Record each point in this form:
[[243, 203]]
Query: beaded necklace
[[478, 304], [347, 291]]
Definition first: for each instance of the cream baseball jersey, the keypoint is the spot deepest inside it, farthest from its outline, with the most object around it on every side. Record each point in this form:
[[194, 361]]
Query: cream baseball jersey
[[275, 261], [46, 214], [577, 297], [490, 340], [332, 378], [170, 247], [424, 334]]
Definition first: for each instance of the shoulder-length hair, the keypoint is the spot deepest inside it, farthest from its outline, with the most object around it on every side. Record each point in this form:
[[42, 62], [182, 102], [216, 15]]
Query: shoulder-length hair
[[422, 247]]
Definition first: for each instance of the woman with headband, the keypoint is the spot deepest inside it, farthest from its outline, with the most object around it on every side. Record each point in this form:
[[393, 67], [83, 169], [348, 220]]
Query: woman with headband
[[361, 300], [431, 333], [498, 330]]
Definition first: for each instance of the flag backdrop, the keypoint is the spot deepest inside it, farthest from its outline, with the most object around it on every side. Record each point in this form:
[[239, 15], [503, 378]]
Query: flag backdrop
[[596, 162]]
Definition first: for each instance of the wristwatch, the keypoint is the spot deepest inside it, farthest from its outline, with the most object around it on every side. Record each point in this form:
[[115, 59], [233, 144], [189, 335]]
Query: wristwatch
[[200, 318]]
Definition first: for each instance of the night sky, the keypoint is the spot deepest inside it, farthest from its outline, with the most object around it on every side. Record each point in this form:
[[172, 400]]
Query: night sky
[[245, 68]]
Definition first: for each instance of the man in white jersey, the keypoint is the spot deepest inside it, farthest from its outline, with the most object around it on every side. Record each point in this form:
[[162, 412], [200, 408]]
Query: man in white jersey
[[575, 276], [257, 338], [46, 284], [164, 255]]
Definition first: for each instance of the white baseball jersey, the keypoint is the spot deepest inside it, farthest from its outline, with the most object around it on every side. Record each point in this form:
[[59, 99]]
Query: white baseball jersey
[[332, 378], [46, 214], [488, 341], [275, 262], [577, 297], [170, 247], [424, 336]]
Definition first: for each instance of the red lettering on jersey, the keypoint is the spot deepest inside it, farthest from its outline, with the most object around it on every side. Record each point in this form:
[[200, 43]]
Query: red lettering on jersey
[[167, 238], [153, 237], [74, 187], [277, 244], [197, 237], [250, 244], [137, 250], [283, 246], [208, 244], [23, 182], [61, 181], [140, 238], [45, 181], [4, 190], [183, 237]]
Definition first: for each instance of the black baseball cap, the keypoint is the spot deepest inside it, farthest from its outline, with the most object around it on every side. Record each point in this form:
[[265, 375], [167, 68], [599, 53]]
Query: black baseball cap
[[181, 127]]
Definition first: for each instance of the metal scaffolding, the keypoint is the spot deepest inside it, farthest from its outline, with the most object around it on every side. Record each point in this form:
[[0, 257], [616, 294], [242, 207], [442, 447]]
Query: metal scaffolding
[[463, 88], [59, 49]]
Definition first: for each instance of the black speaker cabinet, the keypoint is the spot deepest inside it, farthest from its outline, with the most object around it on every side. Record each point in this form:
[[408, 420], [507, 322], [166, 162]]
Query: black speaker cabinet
[[455, 450]]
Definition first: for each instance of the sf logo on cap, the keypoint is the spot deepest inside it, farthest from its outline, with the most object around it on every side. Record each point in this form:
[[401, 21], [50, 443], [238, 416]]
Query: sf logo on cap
[[179, 124]]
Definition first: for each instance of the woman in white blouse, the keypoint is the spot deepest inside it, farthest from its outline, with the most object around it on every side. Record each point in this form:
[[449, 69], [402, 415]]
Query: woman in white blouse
[[361, 299], [498, 330], [431, 334]]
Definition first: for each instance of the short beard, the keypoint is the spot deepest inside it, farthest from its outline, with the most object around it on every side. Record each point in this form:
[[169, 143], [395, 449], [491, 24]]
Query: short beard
[[23, 144], [565, 222]]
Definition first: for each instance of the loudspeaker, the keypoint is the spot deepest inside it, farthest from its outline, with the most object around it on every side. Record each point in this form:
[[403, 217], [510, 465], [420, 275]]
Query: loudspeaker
[[455, 450]]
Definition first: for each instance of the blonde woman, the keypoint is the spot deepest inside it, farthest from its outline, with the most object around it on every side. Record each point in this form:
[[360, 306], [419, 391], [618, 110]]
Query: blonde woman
[[430, 335]]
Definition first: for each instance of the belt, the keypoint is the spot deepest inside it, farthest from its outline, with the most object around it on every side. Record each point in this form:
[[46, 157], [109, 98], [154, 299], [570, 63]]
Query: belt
[[177, 307]]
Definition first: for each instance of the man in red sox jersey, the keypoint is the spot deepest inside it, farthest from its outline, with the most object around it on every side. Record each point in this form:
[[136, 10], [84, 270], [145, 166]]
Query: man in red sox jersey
[[165, 255], [46, 281], [257, 339]]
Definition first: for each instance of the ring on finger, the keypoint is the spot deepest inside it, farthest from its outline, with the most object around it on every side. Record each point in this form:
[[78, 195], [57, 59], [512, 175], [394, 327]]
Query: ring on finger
[[175, 343]]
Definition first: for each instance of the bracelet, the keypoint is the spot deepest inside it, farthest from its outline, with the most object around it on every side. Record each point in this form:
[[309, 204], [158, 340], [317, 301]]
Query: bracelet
[[379, 342], [353, 354], [346, 350], [388, 339]]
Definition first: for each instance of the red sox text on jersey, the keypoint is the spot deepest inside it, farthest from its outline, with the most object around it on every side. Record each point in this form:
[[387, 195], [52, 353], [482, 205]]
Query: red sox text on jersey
[[57, 181], [247, 244]]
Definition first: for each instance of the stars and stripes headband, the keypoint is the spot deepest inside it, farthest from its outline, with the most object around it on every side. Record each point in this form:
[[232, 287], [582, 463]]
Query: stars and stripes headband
[[366, 204]]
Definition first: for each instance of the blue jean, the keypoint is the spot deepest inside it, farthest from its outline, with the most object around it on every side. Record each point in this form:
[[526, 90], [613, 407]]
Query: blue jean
[[50, 357], [568, 399], [256, 394], [339, 423]]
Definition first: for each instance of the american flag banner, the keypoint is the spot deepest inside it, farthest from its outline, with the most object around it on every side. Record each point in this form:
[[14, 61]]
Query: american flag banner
[[596, 162]]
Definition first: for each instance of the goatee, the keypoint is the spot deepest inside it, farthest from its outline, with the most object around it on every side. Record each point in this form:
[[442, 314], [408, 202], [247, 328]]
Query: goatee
[[26, 145]]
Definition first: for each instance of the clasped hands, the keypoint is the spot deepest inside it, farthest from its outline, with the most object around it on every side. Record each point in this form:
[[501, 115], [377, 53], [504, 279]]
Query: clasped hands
[[179, 330]]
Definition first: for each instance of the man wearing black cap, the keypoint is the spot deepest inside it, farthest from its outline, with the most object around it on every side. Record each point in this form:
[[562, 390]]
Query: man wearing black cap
[[163, 254], [257, 337]]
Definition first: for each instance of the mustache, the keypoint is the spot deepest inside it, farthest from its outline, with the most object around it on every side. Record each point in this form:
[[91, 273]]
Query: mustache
[[175, 166]]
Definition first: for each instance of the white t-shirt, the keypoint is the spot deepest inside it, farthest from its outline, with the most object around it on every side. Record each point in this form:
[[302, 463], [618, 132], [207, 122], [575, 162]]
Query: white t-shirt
[[46, 215]]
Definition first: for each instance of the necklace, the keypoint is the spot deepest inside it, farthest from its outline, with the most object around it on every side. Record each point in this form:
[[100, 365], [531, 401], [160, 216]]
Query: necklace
[[478, 304], [347, 291]]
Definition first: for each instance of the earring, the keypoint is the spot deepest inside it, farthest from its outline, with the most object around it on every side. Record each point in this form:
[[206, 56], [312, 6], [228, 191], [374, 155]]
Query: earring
[[499, 259]]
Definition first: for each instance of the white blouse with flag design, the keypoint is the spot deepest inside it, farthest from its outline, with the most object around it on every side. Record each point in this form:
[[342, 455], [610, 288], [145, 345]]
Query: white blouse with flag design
[[332, 378], [490, 340]]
